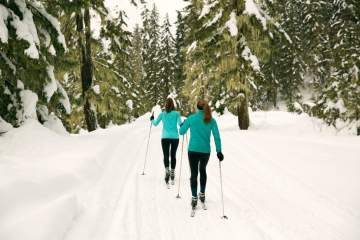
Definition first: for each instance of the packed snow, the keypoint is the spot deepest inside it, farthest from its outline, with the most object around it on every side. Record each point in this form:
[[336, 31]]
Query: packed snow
[[248, 56], [51, 87], [288, 177], [251, 8], [232, 25], [4, 14], [4, 126], [29, 100], [96, 89], [207, 7]]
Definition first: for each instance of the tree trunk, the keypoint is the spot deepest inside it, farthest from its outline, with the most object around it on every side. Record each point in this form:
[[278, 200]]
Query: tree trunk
[[275, 97], [243, 114], [358, 131], [84, 42]]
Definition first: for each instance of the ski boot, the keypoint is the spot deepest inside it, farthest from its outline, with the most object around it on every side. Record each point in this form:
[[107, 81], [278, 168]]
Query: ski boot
[[167, 176], [172, 176], [193, 206], [202, 200]]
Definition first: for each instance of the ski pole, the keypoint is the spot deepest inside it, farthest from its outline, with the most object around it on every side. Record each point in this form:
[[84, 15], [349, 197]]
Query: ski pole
[[181, 157], [147, 147], [222, 194]]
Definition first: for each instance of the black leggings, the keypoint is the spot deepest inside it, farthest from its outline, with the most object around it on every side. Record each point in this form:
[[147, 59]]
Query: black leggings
[[169, 145], [198, 162]]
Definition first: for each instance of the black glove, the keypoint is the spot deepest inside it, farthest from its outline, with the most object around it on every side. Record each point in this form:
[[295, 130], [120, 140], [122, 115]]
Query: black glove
[[152, 117], [220, 156]]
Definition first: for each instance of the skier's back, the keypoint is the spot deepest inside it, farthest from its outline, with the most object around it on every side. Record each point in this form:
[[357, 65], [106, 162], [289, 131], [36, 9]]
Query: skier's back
[[170, 136], [201, 125]]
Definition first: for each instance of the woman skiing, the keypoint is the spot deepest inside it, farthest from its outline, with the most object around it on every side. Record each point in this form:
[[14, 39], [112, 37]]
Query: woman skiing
[[170, 137], [201, 126]]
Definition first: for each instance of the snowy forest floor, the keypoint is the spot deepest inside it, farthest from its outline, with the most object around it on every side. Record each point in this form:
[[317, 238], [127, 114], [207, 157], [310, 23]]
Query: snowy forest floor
[[288, 177]]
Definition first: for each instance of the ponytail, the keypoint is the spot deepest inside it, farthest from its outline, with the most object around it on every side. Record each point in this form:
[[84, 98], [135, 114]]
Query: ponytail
[[203, 105]]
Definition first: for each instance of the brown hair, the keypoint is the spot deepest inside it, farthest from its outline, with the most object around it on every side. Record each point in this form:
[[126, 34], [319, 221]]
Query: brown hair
[[169, 105], [203, 105]]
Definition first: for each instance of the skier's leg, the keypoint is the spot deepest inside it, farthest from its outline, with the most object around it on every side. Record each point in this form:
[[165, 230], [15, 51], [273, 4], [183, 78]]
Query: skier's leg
[[194, 168], [203, 176], [174, 146], [165, 143]]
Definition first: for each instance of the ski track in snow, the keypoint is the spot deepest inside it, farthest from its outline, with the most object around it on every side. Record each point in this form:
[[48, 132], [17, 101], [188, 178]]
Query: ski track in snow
[[277, 186], [263, 199]]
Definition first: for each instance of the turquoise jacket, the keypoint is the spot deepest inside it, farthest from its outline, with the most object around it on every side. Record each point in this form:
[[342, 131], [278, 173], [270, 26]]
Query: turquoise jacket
[[170, 121], [200, 133]]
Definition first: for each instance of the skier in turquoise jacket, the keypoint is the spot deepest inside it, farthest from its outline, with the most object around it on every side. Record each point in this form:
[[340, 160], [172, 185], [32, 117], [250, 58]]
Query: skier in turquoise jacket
[[201, 125], [170, 137]]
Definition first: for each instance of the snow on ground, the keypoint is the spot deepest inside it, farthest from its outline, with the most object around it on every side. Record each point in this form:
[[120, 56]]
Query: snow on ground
[[288, 177]]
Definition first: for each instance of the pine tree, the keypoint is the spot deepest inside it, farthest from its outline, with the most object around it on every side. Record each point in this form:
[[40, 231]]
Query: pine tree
[[31, 45], [228, 43], [151, 55], [111, 70], [139, 97], [179, 63], [167, 64]]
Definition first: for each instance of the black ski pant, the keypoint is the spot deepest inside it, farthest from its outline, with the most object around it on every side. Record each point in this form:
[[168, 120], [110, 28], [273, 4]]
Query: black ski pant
[[169, 147], [198, 162]]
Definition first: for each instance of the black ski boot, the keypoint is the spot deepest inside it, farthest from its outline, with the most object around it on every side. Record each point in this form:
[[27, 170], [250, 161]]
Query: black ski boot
[[172, 176], [167, 175], [193, 206], [202, 200], [194, 201], [202, 197]]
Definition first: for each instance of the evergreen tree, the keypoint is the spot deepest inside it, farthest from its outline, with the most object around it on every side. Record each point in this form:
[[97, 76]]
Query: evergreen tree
[[323, 55], [111, 70], [31, 45], [179, 63], [151, 55], [228, 43], [139, 97], [167, 64]]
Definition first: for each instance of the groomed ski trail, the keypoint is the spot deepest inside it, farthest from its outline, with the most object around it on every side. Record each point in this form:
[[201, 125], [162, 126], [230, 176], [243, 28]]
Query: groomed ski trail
[[263, 198]]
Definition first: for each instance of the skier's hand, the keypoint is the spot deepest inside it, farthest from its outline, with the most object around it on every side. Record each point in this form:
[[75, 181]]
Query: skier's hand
[[152, 117], [220, 156]]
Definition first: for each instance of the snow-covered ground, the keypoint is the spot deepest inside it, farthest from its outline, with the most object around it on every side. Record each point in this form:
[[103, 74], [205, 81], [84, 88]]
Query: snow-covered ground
[[288, 177]]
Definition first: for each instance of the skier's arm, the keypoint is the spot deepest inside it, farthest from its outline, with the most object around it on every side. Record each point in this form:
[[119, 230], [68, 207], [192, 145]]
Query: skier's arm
[[184, 127], [179, 120], [216, 134], [158, 120]]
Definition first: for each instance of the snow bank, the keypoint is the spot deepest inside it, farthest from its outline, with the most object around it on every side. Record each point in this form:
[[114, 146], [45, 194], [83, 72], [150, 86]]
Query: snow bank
[[43, 177], [54, 123], [285, 123], [287, 177], [4, 126], [29, 100]]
